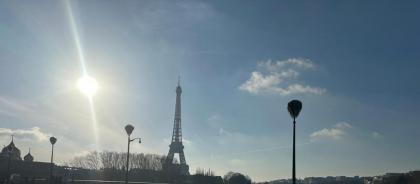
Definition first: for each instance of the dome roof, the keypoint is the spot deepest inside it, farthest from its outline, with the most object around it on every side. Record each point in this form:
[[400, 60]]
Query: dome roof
[[28, 157], [11, 150]]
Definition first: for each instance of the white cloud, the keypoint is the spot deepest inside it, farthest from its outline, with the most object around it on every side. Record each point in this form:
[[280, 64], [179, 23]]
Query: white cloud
[[298, 88], [187, 142], [280, 78], [291, 62], [342, 125], [338, 131], [34, 133], [258, 82]]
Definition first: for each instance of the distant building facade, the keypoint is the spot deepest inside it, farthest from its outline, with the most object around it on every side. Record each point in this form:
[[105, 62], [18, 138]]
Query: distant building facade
[[11, 162]]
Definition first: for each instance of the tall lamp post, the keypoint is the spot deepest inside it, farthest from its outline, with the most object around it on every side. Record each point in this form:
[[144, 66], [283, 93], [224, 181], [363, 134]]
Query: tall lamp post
[[294, 108], [53, 140], [129, 129]]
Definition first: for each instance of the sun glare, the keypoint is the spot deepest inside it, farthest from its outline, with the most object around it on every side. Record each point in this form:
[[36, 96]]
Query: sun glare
[[87, 85]]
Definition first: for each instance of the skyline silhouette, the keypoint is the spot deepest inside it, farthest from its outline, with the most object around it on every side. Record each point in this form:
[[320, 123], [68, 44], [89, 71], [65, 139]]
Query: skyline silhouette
[[82, 70]]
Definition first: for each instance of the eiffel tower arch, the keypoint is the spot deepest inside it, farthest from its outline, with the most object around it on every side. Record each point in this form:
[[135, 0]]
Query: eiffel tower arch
[[176, 145]]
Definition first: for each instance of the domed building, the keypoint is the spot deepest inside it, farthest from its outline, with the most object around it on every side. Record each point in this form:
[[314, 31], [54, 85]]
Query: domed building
[[10, 158], [11, 150], [28, 157]]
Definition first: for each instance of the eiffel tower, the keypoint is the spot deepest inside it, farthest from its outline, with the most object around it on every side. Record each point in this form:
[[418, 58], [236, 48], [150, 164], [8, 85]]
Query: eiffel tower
[[176, 143]]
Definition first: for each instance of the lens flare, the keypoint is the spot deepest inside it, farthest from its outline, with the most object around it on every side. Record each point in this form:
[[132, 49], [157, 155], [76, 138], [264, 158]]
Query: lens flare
[[86, 84]]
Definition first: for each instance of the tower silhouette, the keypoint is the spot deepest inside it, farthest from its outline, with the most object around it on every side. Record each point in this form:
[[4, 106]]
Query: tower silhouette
[[176, 143]]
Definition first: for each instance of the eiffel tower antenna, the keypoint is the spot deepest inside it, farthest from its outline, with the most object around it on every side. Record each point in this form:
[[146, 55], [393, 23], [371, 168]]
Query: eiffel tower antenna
[[176, 143]]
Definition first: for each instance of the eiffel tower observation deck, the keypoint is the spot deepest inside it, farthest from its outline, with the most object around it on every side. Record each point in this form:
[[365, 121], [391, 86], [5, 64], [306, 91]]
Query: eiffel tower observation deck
[[176, 143]]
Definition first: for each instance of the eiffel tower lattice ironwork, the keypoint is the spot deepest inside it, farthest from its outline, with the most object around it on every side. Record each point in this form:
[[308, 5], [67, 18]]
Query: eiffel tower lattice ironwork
[[176, 143]]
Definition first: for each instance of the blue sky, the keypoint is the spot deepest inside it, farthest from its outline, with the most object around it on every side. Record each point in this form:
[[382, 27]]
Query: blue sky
[[353, 64]]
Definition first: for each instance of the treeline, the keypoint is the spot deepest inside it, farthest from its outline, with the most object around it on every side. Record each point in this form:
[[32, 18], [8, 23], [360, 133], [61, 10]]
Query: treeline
[[204, 172], [117, 161], [110, 165], [236, 178]]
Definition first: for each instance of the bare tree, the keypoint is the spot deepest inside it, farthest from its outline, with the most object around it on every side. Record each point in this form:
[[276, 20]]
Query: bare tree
[[203, 172], [93, 161], [116, 160], [89, 161]]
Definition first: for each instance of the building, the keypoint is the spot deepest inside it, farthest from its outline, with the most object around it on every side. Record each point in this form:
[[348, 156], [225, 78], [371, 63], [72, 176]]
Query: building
[[28, 157], [11, 162], [11, 150]]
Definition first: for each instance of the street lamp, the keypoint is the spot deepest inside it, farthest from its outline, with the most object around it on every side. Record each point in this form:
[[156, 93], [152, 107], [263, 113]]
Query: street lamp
[[53, 140], [294, 108], [129, 129]]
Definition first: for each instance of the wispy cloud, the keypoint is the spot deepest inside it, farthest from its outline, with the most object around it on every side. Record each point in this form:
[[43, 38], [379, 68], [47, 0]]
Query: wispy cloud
[[24, 110], [338, 131], [377, 135], [187, 141], [34, 133], [280, 77], [10, 106]]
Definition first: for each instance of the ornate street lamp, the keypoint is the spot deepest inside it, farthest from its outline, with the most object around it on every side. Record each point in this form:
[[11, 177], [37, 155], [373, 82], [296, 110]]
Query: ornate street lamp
[[53, 140], [129, 129], [294, 108]]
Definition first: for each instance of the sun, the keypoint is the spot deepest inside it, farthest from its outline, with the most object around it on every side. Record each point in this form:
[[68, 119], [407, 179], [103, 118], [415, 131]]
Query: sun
[[87, 85]]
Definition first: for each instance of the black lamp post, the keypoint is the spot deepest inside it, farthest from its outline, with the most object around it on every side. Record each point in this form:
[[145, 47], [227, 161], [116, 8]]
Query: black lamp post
[[294, 108], [53, 140], [129, 129]]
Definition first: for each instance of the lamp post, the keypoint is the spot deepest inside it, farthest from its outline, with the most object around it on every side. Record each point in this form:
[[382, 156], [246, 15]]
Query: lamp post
[[129, 129], [294, 108], [53, 140]]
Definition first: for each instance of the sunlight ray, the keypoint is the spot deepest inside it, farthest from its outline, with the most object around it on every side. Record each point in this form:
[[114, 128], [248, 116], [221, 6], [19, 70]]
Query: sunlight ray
[[82, 61]]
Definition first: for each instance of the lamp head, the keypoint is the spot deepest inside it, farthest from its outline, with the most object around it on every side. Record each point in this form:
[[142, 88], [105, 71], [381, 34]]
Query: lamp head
[[294, 108], [53, 140], [129, 129]]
